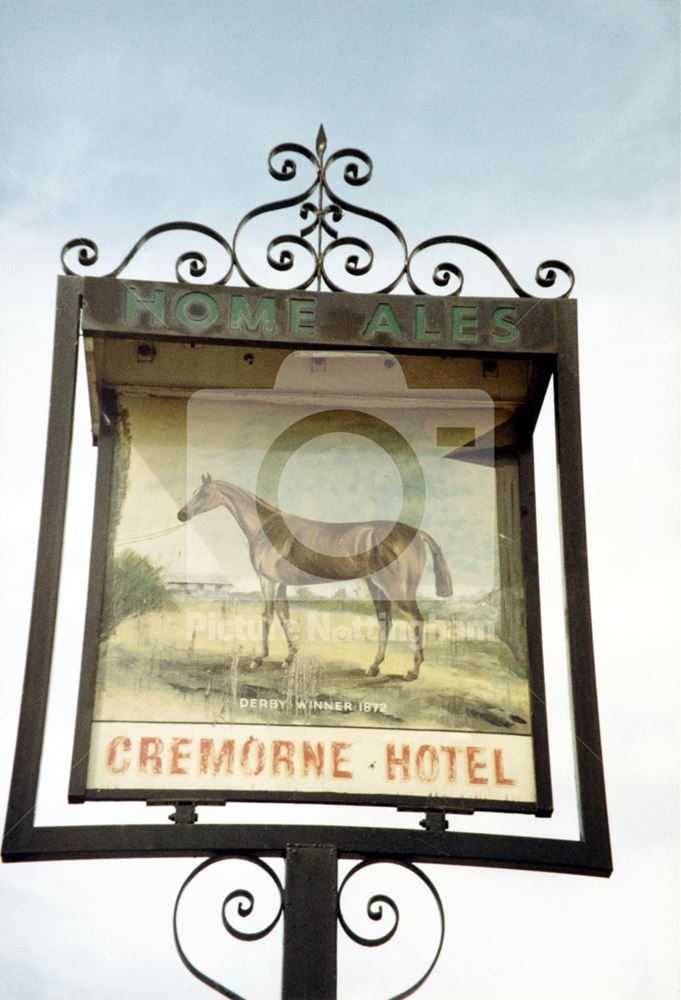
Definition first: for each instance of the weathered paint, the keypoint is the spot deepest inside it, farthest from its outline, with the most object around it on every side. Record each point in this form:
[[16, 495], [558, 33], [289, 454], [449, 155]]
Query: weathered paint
[[221, 315]]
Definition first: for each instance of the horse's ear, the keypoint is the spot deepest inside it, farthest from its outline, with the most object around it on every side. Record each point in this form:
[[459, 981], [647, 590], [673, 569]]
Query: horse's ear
[[203, 479], [209, 478]]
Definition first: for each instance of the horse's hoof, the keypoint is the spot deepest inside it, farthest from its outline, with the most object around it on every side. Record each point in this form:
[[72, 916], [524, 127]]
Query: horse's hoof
[[371, 672], [411, 675]]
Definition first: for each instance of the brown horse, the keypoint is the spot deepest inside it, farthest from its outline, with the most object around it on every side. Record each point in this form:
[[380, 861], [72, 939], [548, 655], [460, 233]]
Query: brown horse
[[288, 550]]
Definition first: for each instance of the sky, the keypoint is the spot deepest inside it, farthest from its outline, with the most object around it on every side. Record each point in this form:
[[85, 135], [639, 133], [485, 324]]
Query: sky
[[545, 130]]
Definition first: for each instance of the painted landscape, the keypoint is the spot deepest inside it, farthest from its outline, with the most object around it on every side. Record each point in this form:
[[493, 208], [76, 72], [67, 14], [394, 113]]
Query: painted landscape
[[181, 622], [191, 662]]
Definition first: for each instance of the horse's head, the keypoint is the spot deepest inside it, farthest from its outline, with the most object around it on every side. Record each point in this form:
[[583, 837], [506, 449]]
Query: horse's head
[[205, 498]]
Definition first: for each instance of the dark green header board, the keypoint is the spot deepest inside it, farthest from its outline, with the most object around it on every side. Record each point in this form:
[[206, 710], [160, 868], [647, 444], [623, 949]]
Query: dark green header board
[[395, 322]]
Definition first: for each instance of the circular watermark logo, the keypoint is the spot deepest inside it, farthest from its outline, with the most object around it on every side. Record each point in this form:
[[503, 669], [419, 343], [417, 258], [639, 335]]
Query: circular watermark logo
[[303, 552]]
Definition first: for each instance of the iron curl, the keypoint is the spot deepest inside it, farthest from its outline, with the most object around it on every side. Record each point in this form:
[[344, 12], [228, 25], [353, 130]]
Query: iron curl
[[286, 258], [545, 275], [198, 264], [88, 254], [442, 272], [352, 264], [245, 909], [352, 172], [375, 911], [289, 168]]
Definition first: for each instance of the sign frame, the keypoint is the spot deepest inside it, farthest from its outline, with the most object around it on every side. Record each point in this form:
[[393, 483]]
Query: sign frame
[[590, 854], [162, 312]]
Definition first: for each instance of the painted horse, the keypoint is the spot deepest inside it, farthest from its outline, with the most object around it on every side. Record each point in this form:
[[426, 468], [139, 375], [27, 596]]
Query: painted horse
[[288, 550]]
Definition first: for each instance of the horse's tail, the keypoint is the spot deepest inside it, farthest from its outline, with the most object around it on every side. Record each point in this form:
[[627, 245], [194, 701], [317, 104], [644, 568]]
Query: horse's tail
[[443, 578]]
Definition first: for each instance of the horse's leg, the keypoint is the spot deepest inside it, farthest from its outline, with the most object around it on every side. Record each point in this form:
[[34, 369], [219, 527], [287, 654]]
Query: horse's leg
[[268, 596], [282, 610], [412, 613], [383, 609]]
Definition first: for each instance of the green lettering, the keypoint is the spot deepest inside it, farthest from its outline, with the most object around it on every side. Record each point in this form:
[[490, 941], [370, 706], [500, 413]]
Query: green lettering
[[465, 324], [383, 321], [242, 317], [503, 319], [422, 333], [301, 316], [135, 306], [196, 310]]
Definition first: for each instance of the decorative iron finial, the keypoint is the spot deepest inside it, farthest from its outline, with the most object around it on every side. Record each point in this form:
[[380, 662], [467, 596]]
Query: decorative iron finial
[[320, 206], [321, 142]]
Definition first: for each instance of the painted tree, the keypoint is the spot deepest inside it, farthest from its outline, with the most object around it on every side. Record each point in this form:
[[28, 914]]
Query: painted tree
[[305, 594], [134, 587]]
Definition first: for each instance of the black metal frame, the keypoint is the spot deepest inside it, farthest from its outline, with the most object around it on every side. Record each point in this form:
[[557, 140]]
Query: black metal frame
[[24, 841]]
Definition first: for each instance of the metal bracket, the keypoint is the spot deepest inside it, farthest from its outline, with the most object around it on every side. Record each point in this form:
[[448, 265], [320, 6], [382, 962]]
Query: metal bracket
[[185, 812], [435, 821]]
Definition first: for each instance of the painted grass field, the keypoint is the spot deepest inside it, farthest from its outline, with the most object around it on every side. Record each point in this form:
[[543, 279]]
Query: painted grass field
[[193, 664]]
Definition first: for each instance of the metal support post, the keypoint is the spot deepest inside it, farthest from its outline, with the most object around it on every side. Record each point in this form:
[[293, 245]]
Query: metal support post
[[310, 924]]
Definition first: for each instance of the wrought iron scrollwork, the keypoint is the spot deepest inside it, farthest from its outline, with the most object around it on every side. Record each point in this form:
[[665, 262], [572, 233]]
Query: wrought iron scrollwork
[[322, 209], [241, 900], [88, 252], [545, 275], [375, 911]]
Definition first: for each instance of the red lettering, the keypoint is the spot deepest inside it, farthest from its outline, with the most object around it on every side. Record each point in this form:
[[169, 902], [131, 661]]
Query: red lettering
[[151, 748], [475, 765], [393, 762], [450, 756], [177, 755], [427, 763], [118, 743], [249, 766], [313, 758], [499, 770], [282, 757], [337, 760], [223, 759]]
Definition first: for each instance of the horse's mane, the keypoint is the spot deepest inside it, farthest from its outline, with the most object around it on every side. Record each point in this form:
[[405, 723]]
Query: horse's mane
[[263, 504]]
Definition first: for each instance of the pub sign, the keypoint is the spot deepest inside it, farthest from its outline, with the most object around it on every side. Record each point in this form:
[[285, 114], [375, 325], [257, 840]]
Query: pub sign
[[314, 570]]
